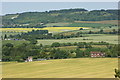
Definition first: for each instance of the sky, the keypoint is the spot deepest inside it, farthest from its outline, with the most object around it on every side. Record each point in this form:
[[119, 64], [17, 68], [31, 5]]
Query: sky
[[20, 7]]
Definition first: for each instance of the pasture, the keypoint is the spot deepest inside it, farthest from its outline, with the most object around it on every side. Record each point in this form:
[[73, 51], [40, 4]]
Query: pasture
[[112, 39], [62, 68]]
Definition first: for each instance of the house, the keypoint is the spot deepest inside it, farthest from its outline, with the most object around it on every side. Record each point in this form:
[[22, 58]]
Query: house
[[97, 54], [29, 59]]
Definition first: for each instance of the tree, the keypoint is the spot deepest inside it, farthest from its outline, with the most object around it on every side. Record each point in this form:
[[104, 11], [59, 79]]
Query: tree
[[90, 32], [5, 36], [79, 53], [81, 29], [2, 37], [55, 44], [88, 46], [101, 31], [72, 55], [117, 73], [41, 45], [9, 45], [33, 41], [114, 31]]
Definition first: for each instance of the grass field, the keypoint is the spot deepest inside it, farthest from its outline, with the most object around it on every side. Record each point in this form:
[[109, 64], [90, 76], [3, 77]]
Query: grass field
[[62, 68], [113, 39]]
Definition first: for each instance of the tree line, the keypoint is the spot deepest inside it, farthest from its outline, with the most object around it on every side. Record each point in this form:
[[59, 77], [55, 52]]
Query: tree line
[[21, 52]]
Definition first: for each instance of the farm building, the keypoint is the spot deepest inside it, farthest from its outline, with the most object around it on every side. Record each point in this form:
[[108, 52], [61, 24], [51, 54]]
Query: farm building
[[29, 59], [97, 54]]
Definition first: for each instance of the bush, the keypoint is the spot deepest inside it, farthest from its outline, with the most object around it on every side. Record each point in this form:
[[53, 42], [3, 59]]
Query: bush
[[56, 44]]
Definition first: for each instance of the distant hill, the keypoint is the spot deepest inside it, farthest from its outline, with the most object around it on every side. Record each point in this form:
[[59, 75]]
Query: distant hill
[[39, 19]]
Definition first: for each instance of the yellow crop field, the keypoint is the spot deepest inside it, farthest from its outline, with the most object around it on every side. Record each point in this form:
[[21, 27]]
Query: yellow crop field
[[50, 29]]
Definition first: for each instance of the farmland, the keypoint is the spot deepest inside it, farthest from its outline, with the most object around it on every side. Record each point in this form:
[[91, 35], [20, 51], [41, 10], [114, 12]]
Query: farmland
[[113, 39], [61, 43], [62, 68], [51, 29], [67, 27], [65, 39]]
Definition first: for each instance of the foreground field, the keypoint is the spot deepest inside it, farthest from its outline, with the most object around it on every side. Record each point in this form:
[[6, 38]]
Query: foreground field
[[62, 68], [112, 39]]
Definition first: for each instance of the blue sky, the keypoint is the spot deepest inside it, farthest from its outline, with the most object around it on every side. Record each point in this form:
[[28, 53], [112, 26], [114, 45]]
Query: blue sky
[[19, 7]]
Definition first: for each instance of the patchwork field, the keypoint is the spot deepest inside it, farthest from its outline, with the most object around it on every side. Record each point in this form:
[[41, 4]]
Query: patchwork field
[[113, 39], [62, 68]]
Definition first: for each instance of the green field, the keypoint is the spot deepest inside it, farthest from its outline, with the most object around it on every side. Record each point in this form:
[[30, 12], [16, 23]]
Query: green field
[[113, 39], [62, 68]]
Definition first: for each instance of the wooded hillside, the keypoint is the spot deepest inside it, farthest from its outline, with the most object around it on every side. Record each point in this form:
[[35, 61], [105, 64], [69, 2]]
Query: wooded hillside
[[39, 19]]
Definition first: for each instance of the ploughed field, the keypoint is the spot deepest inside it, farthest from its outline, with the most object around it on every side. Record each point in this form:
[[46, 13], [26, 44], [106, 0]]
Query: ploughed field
[[62, 68]]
